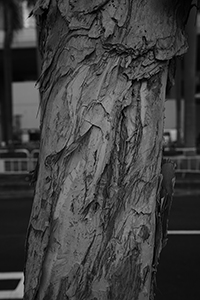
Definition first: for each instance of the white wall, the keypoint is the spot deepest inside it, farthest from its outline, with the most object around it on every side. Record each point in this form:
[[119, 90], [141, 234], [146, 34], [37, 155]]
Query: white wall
[[170, 117], [26, 104], [170, 114]]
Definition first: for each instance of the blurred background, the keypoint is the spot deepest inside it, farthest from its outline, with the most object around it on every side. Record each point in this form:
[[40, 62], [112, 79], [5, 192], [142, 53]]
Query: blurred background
[[178, 272], [19, 71]]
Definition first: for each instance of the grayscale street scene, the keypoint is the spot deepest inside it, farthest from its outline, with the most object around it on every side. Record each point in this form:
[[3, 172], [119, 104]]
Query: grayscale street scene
[[99, 150]]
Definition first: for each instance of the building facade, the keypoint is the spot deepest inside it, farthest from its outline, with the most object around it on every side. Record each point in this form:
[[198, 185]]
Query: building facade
[[25, 94]]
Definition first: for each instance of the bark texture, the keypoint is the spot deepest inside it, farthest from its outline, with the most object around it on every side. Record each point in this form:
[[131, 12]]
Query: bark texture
[[105, 67]]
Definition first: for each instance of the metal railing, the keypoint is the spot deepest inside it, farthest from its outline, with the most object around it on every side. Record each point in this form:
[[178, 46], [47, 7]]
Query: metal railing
[[186, 164], [20, 161], [23, 161]]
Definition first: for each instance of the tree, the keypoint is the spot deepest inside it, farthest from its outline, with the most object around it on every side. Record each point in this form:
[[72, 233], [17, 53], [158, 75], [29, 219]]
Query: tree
[[178, 94], [94, 231], [190, 86], [30, 5], [12, 20]]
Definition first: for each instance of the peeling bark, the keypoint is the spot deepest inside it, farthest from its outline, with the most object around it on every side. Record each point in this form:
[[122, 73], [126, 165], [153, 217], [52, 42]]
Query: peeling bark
[[105, 66]]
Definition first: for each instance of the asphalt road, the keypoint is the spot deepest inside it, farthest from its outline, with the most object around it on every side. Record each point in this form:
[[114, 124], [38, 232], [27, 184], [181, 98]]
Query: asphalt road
[[14, 218], [178, 275]]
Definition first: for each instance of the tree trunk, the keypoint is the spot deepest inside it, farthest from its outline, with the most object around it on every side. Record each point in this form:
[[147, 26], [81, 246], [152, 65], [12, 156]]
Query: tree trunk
[[7, 116], [190, 86], [93, 223], [178, 89]]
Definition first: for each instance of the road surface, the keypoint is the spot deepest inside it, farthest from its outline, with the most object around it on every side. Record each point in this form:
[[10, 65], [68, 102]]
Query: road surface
[[178, 275]]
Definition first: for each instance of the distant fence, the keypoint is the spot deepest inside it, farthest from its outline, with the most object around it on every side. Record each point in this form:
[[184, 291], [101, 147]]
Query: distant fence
[[19, 161], [186, 164]]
